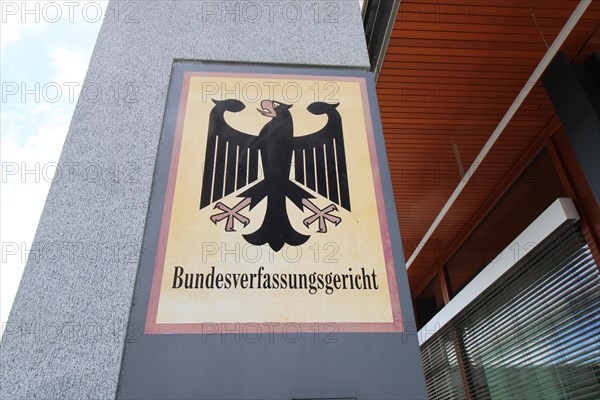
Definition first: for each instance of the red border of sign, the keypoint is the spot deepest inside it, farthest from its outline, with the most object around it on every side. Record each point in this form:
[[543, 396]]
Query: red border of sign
[[288, 327]]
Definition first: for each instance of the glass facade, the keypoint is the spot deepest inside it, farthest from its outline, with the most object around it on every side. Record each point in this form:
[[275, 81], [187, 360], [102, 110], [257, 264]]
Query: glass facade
[[534, 334]]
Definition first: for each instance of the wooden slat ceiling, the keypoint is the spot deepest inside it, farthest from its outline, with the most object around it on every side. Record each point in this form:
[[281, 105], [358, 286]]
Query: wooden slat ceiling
[[451, 71]]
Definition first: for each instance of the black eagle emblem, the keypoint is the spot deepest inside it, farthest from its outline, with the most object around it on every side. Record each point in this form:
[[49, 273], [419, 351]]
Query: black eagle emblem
[[232, 162]]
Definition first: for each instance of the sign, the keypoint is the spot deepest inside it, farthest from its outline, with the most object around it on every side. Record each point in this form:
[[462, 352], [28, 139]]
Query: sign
[[273, 209]]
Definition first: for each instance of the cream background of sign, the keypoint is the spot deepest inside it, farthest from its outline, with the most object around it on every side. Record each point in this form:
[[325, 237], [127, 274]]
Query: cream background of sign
[[357, 239]]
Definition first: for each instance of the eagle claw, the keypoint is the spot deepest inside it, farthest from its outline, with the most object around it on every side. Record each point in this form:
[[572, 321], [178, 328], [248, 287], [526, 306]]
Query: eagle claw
[[321, 215], [231, 214]]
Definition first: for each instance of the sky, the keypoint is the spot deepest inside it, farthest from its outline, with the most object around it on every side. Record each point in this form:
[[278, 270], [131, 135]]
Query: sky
[[45, 48]]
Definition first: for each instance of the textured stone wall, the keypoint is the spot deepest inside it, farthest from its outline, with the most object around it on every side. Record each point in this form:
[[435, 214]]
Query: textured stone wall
[[66, 331]]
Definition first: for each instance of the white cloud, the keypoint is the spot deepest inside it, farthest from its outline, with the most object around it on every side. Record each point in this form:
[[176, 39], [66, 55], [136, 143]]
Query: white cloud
[[23, 197], [14, 23], [71, 65], [21, 18], [33, 133]]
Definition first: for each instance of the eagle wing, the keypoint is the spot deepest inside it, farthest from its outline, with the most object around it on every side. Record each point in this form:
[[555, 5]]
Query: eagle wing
[[231, 159], [320, 158]]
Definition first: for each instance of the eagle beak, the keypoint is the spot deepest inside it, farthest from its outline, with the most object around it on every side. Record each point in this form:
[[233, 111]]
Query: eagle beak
[[267, 109]]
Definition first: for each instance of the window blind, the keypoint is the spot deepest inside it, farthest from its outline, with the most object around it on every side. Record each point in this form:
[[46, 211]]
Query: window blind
[[533, 334]]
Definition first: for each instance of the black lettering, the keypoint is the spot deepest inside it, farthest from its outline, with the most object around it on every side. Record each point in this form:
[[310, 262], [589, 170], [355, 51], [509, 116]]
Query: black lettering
[[260, 276], [189, 281], [337, 280], [366, 279], [236, 280], [295, 284], [312, 281], [375, 279], [177, 281], [303, 284], [328, 282], [267, 284], [210, 278]]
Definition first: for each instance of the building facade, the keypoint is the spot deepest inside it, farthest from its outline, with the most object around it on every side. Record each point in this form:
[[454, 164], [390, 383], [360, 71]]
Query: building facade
[[490, 117], [490, 114]]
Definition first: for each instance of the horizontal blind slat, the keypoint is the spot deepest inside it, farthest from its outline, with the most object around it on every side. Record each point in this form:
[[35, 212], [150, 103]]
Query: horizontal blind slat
[[535, 333]]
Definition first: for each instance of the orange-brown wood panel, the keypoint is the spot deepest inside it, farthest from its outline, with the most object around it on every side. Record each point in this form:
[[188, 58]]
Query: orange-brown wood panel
[[577, 187], [451, 71]]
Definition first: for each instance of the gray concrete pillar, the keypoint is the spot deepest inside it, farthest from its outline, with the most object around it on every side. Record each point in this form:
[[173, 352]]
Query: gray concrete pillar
[[66, 333]]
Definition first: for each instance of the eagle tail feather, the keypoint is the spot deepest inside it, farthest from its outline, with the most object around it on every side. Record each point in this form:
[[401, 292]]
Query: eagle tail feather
[[276, 229]]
